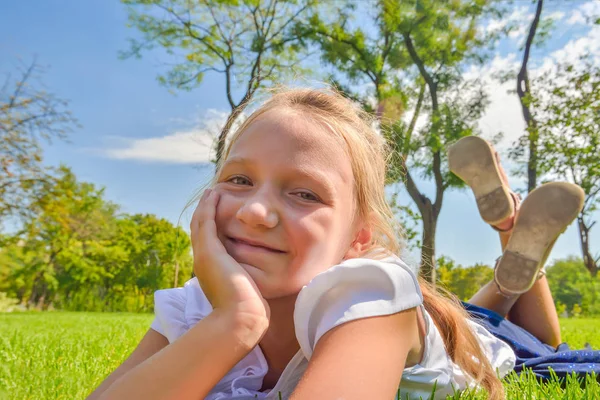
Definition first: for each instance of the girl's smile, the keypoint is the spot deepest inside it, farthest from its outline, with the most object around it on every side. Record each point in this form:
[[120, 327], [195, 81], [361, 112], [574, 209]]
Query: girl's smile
[[253, 245]]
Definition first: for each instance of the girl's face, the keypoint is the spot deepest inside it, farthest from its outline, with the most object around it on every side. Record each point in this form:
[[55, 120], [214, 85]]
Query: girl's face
[[286, 208]]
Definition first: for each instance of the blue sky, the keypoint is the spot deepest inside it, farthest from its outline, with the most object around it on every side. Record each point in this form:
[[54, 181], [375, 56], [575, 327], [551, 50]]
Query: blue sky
[[145, 145]]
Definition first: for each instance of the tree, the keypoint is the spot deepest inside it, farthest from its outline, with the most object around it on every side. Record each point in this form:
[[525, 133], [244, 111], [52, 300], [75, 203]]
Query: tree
[[526, 149], [567, 106], [530, 140], [155, 249], [70, 223], [572, 286], [29, 115], [249, 42], [76, 252], [411, 59], [461, 281]]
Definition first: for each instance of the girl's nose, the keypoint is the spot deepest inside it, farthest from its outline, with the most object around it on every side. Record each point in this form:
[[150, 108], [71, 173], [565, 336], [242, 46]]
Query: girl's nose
[[258, 211]]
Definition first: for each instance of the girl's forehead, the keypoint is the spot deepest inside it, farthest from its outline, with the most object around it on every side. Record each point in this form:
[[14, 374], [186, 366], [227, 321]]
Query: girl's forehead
[[289, 137], [283, 127]]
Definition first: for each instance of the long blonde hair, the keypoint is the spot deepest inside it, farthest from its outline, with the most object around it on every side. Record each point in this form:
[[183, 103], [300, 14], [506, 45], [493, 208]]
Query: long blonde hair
[[368, 155]]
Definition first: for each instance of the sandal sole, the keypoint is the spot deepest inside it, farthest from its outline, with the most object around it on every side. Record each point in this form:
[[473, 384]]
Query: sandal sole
[[472, 160], [546, 213]]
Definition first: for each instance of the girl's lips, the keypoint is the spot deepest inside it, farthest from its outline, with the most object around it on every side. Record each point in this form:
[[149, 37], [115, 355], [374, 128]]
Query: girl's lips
[[252, 246]]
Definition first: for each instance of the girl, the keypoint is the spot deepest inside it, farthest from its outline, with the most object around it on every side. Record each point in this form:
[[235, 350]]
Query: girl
[[299, 293]]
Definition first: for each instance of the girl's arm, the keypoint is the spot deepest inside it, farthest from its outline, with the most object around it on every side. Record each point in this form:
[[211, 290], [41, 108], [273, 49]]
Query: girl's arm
[[192, 365], [361, 359]]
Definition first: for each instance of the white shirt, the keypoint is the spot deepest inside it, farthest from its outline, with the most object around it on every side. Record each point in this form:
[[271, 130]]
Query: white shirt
[[354, 289]]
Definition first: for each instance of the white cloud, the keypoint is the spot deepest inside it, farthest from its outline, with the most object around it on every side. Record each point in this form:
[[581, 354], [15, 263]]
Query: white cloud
[[576, 18], [556, 15], [588, 44], [504, 111], [186, 146], [518, 17], [585, 14]]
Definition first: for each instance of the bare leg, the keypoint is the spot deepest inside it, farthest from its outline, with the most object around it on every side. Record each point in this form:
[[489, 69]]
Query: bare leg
[[478, 164], [490, 297], [533, 311]]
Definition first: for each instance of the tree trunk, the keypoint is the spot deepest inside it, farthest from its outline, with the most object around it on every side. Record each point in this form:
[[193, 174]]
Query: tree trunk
[[584, 235], [429, 211], [428, 244], [176, 273], [235, 113], [524, 92]]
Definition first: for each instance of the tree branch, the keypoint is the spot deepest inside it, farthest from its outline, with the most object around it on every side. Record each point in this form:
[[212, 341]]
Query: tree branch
[[413, 121], [421, 66]]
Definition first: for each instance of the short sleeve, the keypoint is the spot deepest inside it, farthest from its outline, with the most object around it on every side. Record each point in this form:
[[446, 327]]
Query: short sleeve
[[357, 288], [177, 310]]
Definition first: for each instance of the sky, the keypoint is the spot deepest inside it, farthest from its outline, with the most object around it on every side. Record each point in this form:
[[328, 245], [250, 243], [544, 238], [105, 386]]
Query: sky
[[149, 147]]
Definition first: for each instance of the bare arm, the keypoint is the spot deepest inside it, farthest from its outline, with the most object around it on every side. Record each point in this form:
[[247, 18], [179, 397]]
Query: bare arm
[[192, 365], [151, 343], [362, 359]]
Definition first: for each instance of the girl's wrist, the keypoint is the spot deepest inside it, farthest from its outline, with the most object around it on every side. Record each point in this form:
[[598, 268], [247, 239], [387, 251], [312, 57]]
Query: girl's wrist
[[247, 328]]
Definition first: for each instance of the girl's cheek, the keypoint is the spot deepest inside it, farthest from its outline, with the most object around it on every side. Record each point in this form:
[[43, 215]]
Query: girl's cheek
[[227, 204]]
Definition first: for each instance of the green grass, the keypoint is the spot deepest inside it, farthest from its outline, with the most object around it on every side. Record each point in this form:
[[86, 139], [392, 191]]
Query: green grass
[[56, 355], [59, 355]]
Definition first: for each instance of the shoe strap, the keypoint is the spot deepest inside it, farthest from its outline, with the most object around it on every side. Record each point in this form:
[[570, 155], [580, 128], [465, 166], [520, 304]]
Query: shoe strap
[[517, 201]]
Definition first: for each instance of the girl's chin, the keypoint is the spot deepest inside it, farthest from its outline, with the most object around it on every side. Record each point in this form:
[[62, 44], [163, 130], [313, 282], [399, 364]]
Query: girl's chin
[[269, 287]]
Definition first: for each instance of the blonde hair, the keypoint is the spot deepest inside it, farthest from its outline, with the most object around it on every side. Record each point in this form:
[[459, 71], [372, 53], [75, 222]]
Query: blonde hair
[[368, 155]]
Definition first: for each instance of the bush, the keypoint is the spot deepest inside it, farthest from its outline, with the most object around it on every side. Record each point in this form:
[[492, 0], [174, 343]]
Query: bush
[[572, 285], [576, 293], [8, 304]]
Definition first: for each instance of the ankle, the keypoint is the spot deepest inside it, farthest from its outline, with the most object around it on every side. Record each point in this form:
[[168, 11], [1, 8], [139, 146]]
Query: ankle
[[506, 225]]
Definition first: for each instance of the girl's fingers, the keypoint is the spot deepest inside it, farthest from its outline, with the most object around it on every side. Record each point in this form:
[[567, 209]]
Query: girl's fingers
[[210, 206], [199, 213], [203, 221]]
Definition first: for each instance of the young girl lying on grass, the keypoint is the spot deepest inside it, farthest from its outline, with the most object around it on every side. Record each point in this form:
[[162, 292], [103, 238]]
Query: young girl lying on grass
[[300, 293]]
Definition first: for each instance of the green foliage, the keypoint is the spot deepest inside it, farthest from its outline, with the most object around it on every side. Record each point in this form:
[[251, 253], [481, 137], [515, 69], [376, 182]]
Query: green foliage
[[62, 355], [464, 282], [76, 252], [567, 104], [574, 291], [572, 286], [7, 304], [249, 41]]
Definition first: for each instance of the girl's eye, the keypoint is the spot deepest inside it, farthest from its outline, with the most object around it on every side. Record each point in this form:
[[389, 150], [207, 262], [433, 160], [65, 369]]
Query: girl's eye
[[307, 196], [239, 180]]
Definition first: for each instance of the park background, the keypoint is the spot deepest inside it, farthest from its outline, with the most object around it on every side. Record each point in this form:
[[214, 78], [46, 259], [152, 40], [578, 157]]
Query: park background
[[111, 115]]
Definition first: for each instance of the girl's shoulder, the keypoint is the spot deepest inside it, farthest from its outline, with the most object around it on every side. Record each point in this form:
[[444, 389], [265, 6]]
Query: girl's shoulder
[[177, 309], [357, 288]]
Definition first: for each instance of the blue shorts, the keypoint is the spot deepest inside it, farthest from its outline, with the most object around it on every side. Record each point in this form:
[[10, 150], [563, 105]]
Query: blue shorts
[[531, 352]]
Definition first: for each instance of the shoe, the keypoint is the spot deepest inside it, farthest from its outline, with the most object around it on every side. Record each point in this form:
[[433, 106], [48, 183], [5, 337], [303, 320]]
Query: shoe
[[474, 161], [545, 213]]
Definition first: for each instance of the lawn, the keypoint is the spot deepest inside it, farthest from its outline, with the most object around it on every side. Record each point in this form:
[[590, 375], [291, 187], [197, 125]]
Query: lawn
[[58, 355]]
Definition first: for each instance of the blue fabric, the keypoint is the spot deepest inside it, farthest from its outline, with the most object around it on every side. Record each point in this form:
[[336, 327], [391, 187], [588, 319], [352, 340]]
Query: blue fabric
[[531, 352]]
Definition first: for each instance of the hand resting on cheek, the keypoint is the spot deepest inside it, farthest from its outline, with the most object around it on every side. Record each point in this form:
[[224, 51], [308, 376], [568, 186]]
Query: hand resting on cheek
[[226, 284]]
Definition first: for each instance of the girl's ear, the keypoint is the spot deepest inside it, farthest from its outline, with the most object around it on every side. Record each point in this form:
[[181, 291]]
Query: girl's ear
[[361, 243]]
